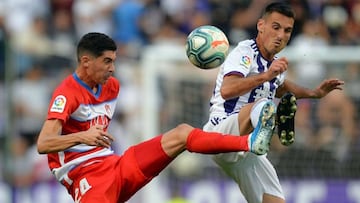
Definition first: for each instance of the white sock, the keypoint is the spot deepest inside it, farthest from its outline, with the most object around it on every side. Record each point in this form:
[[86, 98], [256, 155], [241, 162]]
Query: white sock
[[255, 111]]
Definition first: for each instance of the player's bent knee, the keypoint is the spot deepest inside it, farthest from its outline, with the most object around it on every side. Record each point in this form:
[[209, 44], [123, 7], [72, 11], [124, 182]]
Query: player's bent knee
[[178, 134], [182, 131], [174, 141]]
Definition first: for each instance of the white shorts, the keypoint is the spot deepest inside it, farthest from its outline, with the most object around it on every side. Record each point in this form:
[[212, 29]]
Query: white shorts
[[254, 174]]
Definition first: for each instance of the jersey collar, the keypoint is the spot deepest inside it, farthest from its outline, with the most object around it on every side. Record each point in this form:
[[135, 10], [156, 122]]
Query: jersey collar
[[82, 83]]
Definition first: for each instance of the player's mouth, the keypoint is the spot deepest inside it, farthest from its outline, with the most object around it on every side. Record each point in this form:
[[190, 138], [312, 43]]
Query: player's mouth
[[277, 43], [107, 76]]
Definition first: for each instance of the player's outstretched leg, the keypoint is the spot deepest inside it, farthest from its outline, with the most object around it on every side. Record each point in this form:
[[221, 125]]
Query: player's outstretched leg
[[285, 118], [259, 139]]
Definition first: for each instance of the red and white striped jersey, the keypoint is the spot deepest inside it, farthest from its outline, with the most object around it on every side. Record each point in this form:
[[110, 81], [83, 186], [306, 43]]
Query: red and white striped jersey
[[78, 107]]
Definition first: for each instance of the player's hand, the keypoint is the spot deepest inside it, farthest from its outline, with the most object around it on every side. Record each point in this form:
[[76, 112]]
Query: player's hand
[[277, 67], [327, 86], [96, 136]]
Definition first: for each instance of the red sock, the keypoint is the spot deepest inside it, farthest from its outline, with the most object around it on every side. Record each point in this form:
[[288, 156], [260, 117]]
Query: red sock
[[211, 142], [156, 159]]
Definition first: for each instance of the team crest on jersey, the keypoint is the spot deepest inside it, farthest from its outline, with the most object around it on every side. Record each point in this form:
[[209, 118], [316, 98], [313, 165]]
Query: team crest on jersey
[[59, 104], [246, 61]]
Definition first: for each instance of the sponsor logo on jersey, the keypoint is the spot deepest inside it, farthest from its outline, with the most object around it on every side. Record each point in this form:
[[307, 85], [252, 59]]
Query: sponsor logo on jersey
[[246, 60], [59, 104], [100, 120]]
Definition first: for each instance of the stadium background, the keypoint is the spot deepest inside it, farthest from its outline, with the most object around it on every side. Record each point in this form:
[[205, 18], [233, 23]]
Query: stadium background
[[161, 89]]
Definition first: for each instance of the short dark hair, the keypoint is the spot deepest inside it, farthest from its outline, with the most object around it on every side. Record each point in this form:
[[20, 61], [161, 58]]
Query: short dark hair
[[279, 7], [95, 43]]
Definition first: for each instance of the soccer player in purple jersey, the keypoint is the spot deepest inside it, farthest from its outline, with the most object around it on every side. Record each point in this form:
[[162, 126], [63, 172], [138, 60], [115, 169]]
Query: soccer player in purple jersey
[[251, 77]]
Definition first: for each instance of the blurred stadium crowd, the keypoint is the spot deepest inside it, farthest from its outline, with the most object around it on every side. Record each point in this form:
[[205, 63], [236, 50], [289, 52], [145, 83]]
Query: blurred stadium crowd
[[37, 49]]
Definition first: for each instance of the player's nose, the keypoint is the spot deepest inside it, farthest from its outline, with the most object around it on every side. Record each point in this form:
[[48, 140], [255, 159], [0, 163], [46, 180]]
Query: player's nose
[[112, 68]]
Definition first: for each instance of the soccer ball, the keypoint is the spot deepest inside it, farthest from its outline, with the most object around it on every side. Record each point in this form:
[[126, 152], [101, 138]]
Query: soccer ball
[[207, 47]]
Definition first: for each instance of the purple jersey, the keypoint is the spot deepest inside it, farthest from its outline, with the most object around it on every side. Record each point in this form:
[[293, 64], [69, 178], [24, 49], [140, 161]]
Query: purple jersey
[[245, 60]]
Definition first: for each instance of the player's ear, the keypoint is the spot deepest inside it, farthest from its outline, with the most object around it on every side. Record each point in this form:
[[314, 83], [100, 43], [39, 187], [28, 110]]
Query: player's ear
[[84, 59], [260, 25]]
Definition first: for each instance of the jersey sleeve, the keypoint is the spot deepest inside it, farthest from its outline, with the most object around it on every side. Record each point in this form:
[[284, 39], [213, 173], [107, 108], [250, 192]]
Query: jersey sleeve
[[239, 61], [62, 104]]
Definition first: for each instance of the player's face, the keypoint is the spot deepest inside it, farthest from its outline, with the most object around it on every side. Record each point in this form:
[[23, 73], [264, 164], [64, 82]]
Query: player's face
[[274, 33], [102, 67]]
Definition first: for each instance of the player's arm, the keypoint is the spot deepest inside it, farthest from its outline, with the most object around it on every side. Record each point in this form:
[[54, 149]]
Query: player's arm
[[320, 91], [51, 140], [236, 85]]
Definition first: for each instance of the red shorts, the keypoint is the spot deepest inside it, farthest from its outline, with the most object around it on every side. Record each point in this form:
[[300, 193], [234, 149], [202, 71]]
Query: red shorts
[[114, 179]]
